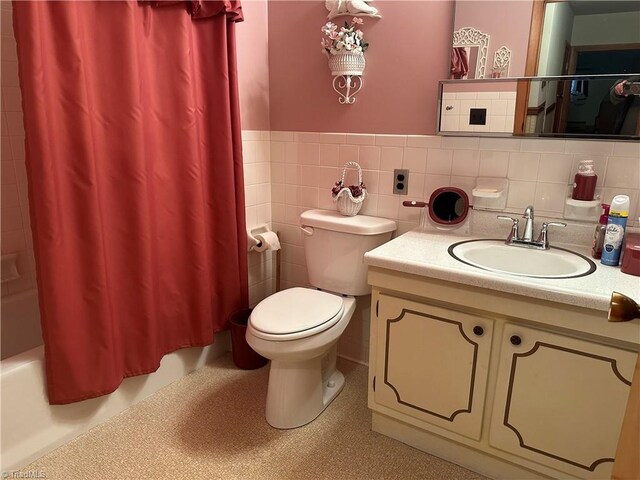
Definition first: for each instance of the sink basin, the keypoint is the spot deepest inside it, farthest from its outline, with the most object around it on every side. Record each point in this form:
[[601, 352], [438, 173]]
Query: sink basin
[[495, 256]]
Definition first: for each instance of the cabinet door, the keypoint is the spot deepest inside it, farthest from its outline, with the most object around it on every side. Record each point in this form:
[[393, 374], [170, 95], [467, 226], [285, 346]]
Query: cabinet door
[[431, 364], [560, 401]]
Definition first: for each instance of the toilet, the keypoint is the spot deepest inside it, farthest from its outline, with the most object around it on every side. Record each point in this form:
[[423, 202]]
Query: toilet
[[298, 328]]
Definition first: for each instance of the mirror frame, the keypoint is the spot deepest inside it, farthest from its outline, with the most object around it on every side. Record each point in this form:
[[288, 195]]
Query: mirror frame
[[531, 64], [450, 191], [472, 37]]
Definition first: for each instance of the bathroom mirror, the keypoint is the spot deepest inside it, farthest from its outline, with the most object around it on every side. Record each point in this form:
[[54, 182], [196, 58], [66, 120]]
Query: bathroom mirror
[[490, 38], [566, 107], [448, 206], [549, 38]]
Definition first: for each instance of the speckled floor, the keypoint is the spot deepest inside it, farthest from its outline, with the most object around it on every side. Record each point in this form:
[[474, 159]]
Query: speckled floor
[[210, 425]]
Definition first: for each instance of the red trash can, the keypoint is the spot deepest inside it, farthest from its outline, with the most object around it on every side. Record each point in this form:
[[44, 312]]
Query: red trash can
[[244, 356]]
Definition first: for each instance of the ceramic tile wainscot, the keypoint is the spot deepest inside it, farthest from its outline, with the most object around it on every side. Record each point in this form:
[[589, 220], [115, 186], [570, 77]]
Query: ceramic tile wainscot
[[532, 379], [304, 166]]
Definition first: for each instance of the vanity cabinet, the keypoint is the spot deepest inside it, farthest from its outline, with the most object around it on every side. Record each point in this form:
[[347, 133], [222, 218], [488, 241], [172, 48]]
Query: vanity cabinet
[[455, 373], [432, 364], [560, 400]]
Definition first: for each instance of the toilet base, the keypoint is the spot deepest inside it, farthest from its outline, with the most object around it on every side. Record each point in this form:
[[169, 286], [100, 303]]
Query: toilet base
[[333, 387], [300, 391]]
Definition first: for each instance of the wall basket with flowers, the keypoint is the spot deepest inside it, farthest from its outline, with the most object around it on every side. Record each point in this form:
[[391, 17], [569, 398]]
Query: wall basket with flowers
[[349, 199], [345, 47]]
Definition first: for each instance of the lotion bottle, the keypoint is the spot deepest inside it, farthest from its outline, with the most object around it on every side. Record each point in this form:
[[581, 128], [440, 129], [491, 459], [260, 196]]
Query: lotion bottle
[[584, 185], [598, 236], [614, 234]]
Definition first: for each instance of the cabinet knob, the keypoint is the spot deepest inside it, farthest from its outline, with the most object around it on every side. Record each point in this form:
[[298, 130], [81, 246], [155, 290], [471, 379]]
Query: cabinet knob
[[478, 330], [515, 340]]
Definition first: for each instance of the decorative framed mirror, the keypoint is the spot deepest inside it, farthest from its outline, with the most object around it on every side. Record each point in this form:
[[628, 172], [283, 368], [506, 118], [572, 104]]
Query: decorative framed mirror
[[469, 57]]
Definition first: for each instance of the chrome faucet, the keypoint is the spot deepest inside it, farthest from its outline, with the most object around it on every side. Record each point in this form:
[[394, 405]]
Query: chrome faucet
[[542, 243]]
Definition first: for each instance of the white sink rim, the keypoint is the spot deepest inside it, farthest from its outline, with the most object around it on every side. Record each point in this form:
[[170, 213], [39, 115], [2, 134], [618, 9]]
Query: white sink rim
[[587, 267]]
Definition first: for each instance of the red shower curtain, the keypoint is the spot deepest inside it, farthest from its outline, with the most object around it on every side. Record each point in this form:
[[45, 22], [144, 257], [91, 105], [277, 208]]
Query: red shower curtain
[[135, 182], [459, 63]]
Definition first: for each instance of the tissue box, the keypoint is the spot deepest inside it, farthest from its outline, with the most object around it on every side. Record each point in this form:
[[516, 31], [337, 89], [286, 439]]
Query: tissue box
[[631, 254]]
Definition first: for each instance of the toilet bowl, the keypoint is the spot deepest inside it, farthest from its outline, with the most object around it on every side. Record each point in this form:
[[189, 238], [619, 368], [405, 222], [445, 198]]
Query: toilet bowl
[[303, 378], [298, 328]]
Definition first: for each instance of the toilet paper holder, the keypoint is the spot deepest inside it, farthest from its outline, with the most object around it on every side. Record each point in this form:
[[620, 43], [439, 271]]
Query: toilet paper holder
[[252, 241], [253, 244]]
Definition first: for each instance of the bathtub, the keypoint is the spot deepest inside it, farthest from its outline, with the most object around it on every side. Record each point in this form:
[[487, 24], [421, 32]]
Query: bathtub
[[30, 427]]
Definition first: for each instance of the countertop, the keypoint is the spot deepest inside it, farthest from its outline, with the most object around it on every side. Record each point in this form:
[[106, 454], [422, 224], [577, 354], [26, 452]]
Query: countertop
[[425, 254]]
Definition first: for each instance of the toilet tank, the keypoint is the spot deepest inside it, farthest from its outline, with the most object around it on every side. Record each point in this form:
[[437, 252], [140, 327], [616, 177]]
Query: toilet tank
[[335, 246]]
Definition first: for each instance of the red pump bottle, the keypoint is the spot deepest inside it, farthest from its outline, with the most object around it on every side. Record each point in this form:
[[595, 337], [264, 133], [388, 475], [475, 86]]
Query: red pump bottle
[[584, 186]]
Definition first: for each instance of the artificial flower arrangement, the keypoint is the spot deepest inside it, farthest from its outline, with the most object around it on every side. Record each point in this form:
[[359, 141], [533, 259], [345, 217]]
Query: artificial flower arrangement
[[356, 190], [347, 39], [349, 198]]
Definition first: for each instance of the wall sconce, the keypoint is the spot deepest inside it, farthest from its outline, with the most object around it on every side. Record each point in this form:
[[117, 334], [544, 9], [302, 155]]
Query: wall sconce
[[501, 62], [347, 70]]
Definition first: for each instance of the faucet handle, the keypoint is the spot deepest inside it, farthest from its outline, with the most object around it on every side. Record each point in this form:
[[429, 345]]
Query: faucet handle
[[513, 235], [553, 224], [543, 239]]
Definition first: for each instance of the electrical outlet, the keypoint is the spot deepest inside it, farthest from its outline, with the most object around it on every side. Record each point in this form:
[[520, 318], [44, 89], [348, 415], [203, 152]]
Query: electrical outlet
[[401, 181]]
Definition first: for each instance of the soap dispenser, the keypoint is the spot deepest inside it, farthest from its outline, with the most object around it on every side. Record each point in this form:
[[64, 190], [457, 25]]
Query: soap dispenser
[[598, 236]]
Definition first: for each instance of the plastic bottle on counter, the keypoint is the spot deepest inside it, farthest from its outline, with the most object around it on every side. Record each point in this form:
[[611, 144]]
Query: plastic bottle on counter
[[630, 263], [614, 234], [598, 236], [584, 185]]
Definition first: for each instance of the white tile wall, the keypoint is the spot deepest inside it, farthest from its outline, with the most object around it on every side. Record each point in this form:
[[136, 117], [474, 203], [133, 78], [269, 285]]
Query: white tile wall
[[16, 231], [539, 172], [500, 106], [258, 176]]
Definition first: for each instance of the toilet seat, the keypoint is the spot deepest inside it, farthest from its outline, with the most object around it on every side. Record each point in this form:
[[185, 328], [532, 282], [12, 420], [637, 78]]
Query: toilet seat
[[295, 313]]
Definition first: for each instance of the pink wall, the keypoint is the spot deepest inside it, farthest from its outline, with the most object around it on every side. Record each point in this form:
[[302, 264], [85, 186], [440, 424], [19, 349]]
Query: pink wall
[[409, 52], [507, 22], [285, 83], [253, 66]]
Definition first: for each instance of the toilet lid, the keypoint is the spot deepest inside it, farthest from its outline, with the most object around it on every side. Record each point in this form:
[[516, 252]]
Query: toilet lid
[[295, 310]]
